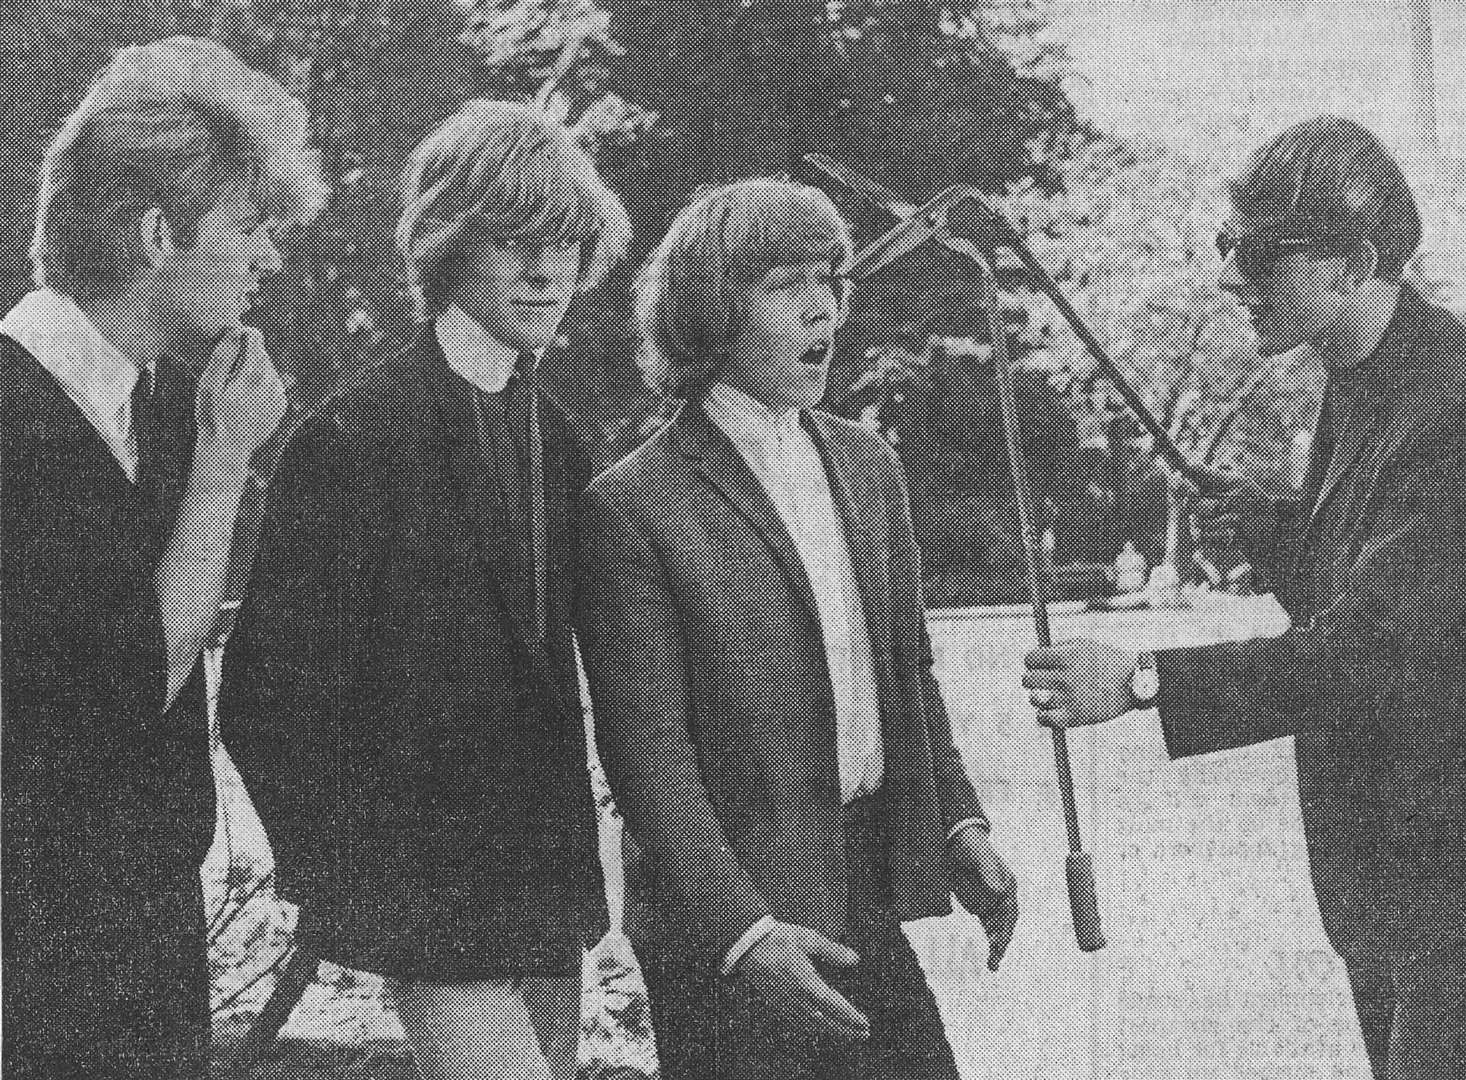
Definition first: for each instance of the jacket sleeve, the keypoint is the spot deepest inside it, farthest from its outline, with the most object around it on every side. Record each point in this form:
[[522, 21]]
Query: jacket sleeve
[[286, 666], [1394, 636], [959, 798], [636, 665]]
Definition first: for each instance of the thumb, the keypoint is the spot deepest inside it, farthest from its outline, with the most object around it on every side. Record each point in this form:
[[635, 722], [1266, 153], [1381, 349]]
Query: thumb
[[822, 948]]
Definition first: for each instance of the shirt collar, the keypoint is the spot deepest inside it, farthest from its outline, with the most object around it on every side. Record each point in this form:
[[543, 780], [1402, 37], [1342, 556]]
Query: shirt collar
[[473, 352], [745, 417], [93, 372]]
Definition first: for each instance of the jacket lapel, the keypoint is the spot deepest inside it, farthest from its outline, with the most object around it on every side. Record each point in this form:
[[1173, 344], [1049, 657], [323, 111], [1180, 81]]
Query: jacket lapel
[[863, 512], [714, 457], [478, 505], [1372, 407]]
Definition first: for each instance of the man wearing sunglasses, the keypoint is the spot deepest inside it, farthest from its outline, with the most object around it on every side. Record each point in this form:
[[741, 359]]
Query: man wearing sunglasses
[[1369, 563]]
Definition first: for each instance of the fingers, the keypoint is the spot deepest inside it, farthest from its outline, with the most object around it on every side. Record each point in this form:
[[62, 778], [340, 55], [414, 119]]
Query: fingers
[[780, 965], [999, 922], [830, 1009], [819, 947], [1042, 679]]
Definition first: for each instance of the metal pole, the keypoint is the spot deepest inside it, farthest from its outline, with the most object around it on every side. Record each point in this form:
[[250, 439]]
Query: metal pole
[[1079, 867]]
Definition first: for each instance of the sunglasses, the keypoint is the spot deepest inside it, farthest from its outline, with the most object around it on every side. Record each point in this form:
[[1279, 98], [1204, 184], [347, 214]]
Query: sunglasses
[[1255, 255]]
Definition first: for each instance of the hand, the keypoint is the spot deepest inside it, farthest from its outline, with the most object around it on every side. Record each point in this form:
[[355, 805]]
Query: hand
[[1235, 515], [1080, 682], [778, 967], [984, 886], [241, 398]]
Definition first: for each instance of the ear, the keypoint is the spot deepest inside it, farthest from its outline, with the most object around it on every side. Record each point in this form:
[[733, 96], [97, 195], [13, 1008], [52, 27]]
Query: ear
[[156, 236]]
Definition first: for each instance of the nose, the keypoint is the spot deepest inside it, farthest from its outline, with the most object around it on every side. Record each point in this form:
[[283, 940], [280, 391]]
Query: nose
[[826, 304], [540, 264], [268, 260]]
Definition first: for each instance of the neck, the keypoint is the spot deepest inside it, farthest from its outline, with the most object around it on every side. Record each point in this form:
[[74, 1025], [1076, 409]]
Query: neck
[[778, 409], [1361, 327], [124, 321]]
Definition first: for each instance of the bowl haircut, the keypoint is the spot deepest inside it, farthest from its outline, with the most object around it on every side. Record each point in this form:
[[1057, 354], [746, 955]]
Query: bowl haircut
[[507, 172], [726, 240], [1331, 180]]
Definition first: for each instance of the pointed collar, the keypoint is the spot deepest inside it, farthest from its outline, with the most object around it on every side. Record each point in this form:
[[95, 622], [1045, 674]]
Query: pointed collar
[[93, 372], [473, 352], [744, 418]]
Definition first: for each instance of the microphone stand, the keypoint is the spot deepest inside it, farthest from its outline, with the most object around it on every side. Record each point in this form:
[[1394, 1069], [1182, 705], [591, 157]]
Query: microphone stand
[[996, 231], [1079, 865]]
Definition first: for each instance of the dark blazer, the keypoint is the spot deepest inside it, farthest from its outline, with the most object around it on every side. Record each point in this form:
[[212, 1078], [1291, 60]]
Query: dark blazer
[[108, 800], [714, 710], [420, 769], [1372, 676]]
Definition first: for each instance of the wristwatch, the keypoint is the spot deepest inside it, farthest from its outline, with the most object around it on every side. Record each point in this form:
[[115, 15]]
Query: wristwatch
[[1145, 683]]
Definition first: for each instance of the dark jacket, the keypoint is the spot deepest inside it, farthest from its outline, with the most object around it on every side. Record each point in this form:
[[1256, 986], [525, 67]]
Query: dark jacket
[[1372, 676], [424, 787], [108, 800], [715, 714]]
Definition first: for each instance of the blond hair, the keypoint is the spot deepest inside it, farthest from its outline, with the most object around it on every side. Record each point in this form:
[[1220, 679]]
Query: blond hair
[[166, 125], [513, 173], [726, 239]]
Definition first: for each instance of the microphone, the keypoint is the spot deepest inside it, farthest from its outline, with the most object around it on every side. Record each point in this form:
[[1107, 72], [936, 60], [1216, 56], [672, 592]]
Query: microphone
[[995, 230], [980, 224], [919, 224]]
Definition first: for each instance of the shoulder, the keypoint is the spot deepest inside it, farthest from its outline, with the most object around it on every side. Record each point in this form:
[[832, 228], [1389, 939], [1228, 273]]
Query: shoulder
[[860, 443], [345, 434], [31, 398], [1435, 361], [656, 463]]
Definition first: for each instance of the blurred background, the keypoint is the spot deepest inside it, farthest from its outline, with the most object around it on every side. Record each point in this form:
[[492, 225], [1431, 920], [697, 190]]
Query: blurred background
[[1105, 128]]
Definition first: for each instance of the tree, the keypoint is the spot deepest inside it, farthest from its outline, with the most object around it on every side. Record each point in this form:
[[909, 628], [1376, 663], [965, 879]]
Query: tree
[[1131, 240]]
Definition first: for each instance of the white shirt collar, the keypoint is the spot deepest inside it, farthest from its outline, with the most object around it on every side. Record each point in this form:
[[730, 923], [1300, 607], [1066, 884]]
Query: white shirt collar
[[743, 416], [92, 371], [473, 352]]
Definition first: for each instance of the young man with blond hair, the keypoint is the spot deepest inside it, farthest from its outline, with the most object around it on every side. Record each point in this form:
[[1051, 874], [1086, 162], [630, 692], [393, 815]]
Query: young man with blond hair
[[756, 644], [133, 400], [401, 695]]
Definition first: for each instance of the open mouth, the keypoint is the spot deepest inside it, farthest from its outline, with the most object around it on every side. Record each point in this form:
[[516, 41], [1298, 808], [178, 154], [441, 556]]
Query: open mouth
[[816, 355]]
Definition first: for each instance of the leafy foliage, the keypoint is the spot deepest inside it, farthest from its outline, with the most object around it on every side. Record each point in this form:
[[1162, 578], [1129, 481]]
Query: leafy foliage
[[1130, 238]]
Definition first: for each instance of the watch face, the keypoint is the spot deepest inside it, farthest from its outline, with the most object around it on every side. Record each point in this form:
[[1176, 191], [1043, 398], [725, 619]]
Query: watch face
[[1145, 684]]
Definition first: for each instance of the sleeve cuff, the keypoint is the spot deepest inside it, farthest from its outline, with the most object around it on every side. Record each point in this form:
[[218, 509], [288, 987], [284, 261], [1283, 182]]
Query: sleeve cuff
[[750, 938], [981, 822]]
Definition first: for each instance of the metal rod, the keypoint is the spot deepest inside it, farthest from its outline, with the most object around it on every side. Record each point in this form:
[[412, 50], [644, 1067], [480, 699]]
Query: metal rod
[[1083, 902], [996, 222]]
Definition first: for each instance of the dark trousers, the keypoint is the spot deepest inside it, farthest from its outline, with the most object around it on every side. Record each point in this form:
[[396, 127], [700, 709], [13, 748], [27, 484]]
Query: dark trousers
[[109, 983], [713, 1029], [1412, 1013]]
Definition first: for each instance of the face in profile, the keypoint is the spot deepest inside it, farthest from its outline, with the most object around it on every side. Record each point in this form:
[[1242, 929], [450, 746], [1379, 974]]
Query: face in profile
[[784, 325], [517, 289], [1288, 286], [206, 288]]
